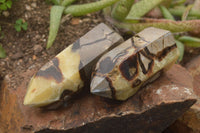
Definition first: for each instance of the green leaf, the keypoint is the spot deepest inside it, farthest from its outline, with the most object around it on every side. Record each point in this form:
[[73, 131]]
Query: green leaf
[[178, 11], [18, 28], [121, 9], [3, 7], [25, 26], [67, 2], [166, 13], [181, 50], [55, 17], [2, 52], [9, 3], [19, 21], [2, 1], [20, 24], [142, 7], [190, 41], [79, 10]]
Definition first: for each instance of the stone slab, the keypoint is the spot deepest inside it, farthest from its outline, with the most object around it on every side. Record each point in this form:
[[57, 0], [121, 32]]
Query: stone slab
[[190, 121], [152, 109]]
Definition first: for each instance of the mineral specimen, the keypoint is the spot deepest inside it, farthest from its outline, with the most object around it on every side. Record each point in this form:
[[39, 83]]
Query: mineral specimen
[[64, 75], [131, 65]]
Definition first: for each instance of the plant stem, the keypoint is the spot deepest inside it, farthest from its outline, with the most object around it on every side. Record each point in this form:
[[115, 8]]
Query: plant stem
[[121, 9], [186, 12], [67, 2], [78, 10], [142, 7], [173, 26]]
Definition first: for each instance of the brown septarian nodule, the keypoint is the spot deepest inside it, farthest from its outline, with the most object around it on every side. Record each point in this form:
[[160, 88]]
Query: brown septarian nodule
[[126, 68], [65, 72]]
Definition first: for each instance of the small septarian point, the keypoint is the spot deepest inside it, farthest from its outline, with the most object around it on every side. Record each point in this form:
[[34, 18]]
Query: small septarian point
[[100, 86]]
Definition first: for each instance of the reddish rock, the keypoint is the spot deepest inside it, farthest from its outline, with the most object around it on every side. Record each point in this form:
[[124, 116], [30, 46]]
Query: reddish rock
[[193, 115], [152, 109], [191, 119]]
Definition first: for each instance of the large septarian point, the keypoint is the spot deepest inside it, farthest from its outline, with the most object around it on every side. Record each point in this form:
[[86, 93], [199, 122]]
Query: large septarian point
[[100, 86], [65, 72], [140, 60]]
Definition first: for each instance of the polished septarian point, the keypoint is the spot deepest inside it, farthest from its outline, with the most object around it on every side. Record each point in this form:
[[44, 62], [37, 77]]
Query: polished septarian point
[[131, 65], [101, 87], [64, 75]]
